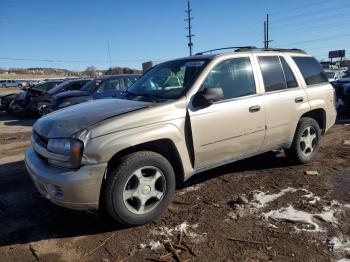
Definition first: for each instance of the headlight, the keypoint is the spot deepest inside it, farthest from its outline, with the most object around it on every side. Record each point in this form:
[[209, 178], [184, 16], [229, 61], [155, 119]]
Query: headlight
[[69, 147], [65, 104]]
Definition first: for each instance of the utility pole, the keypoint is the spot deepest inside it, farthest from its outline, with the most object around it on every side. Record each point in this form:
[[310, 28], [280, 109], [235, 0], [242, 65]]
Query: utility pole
[[109, 57], [189, 28], [265, 41], [266, 32]]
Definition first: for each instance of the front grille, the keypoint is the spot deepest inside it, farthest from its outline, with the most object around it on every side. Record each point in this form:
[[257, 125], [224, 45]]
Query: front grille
[[58, 191], [43, 141]]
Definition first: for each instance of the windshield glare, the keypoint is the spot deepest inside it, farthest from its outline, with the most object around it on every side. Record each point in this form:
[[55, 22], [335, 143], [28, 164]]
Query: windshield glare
[[168, 80]]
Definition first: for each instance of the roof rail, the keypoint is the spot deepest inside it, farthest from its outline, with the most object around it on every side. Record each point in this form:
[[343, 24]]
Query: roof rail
[[296, 50], [226, 48]]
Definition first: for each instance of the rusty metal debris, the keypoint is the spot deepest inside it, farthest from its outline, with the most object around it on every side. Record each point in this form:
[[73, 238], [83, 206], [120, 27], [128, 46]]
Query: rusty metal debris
[[247, 241]]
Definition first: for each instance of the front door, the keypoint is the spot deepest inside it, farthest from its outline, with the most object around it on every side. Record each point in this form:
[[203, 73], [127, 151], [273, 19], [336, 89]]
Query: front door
[[234, 127]]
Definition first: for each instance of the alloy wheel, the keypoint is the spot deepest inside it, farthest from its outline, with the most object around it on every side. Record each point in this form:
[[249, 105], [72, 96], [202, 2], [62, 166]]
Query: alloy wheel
[[144, 190]]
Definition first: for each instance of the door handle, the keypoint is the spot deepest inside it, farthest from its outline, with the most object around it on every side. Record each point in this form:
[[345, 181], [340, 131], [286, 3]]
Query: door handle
[[254, 109], [299, 99]]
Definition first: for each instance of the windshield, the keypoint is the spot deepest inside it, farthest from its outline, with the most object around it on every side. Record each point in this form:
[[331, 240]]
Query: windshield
[[91, 86], [168, 80], [58, 87], [45, 86]]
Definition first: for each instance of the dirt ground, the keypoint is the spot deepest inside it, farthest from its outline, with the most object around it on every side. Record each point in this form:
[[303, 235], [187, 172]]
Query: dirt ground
[[259, 209]]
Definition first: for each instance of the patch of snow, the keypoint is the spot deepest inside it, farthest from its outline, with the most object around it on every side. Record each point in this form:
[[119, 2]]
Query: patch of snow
[[344, 260], [340, 244], [153, 245], [347, 142], [291, 214], [264, 198], [272, 225], [183, 227], [311, 196], [190, 189]]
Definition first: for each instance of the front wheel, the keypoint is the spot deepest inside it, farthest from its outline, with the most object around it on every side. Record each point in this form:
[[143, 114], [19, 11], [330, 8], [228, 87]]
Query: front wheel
[[307, 140], [43, 109], [140, 188]]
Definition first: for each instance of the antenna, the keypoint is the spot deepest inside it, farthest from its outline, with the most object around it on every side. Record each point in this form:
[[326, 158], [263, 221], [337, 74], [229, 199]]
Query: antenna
[[189, 28]]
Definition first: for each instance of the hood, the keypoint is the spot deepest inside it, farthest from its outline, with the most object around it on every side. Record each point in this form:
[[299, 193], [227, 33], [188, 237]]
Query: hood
[[69, 94], [66, 122]]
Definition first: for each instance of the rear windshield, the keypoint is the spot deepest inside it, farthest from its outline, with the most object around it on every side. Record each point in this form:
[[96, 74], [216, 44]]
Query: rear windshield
[[311, 70]]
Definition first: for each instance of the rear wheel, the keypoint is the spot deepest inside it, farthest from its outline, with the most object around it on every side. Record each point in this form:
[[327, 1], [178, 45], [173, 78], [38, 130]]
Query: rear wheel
[[307, 140], [140, 188]]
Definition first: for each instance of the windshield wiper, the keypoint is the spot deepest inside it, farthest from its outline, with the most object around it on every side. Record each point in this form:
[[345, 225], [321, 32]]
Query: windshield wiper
[[153, 97]]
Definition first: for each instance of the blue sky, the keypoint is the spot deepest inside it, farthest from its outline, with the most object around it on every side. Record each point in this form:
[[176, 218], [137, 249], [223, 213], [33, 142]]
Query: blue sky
[[75, 34]]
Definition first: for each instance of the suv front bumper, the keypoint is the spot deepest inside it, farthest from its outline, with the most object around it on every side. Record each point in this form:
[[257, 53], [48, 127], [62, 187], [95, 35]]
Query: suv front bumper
[[74, 189]]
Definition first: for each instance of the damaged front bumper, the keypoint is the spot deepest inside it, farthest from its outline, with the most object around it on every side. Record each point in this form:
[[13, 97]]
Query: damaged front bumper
[[74, 189]]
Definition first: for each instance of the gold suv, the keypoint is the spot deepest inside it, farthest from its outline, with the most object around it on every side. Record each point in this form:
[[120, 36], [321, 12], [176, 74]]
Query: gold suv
[[180, 118]]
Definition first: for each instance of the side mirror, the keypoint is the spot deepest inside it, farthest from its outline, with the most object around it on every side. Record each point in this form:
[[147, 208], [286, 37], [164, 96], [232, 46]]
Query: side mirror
[[208, 96]]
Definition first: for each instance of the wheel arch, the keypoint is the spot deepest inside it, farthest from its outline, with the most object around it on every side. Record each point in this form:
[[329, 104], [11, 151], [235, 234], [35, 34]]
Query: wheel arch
[[319, 114], [165, 147]]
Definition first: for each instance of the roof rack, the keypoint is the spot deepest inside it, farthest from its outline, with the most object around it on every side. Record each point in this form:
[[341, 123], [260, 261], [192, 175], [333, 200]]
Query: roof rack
[[253, 48], [296, 50], [226, 48]]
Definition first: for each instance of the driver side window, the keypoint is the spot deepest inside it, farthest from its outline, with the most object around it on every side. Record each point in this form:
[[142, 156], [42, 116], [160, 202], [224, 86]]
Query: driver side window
[[235, 77]]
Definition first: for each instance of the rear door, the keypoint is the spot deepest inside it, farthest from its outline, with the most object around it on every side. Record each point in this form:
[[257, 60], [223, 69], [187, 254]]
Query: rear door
[[284, 99], [234, 127], [319, 91]]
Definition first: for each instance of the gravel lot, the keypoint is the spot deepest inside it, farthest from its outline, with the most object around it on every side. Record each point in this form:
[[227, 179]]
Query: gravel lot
[[259, 209]]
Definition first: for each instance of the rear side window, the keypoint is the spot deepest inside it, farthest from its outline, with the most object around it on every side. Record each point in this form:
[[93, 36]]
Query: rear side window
[[311, 70], [272, 73], [290, 79]]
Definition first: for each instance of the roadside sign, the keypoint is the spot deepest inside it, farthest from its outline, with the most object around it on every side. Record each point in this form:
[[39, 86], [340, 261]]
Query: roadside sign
[[336, 54]]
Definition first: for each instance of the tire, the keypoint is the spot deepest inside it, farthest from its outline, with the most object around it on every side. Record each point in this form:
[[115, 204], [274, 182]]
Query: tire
[[42, 108], [10, 108], [306, 142], [123, 192]]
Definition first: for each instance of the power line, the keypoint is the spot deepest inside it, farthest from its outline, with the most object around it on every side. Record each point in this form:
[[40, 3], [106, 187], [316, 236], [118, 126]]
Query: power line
[[320, 39], [282, 12], [68, 61], [314, 12], [300, 32], [307, 18], [313, 27]]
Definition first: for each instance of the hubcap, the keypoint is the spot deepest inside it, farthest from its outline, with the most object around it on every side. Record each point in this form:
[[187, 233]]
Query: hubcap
[[43, 110], [144, 190], [308, 140]]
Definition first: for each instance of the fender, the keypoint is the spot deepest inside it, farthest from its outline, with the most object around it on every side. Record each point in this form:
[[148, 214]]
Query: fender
[[103, 148]]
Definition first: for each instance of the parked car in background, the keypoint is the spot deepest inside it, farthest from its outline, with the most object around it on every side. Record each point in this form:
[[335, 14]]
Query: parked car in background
[[341, 91], [334, 75], [18, 106], [343, 100], [12, 83], [6, 102], [35, 101], [180, 118], [104, 87]]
